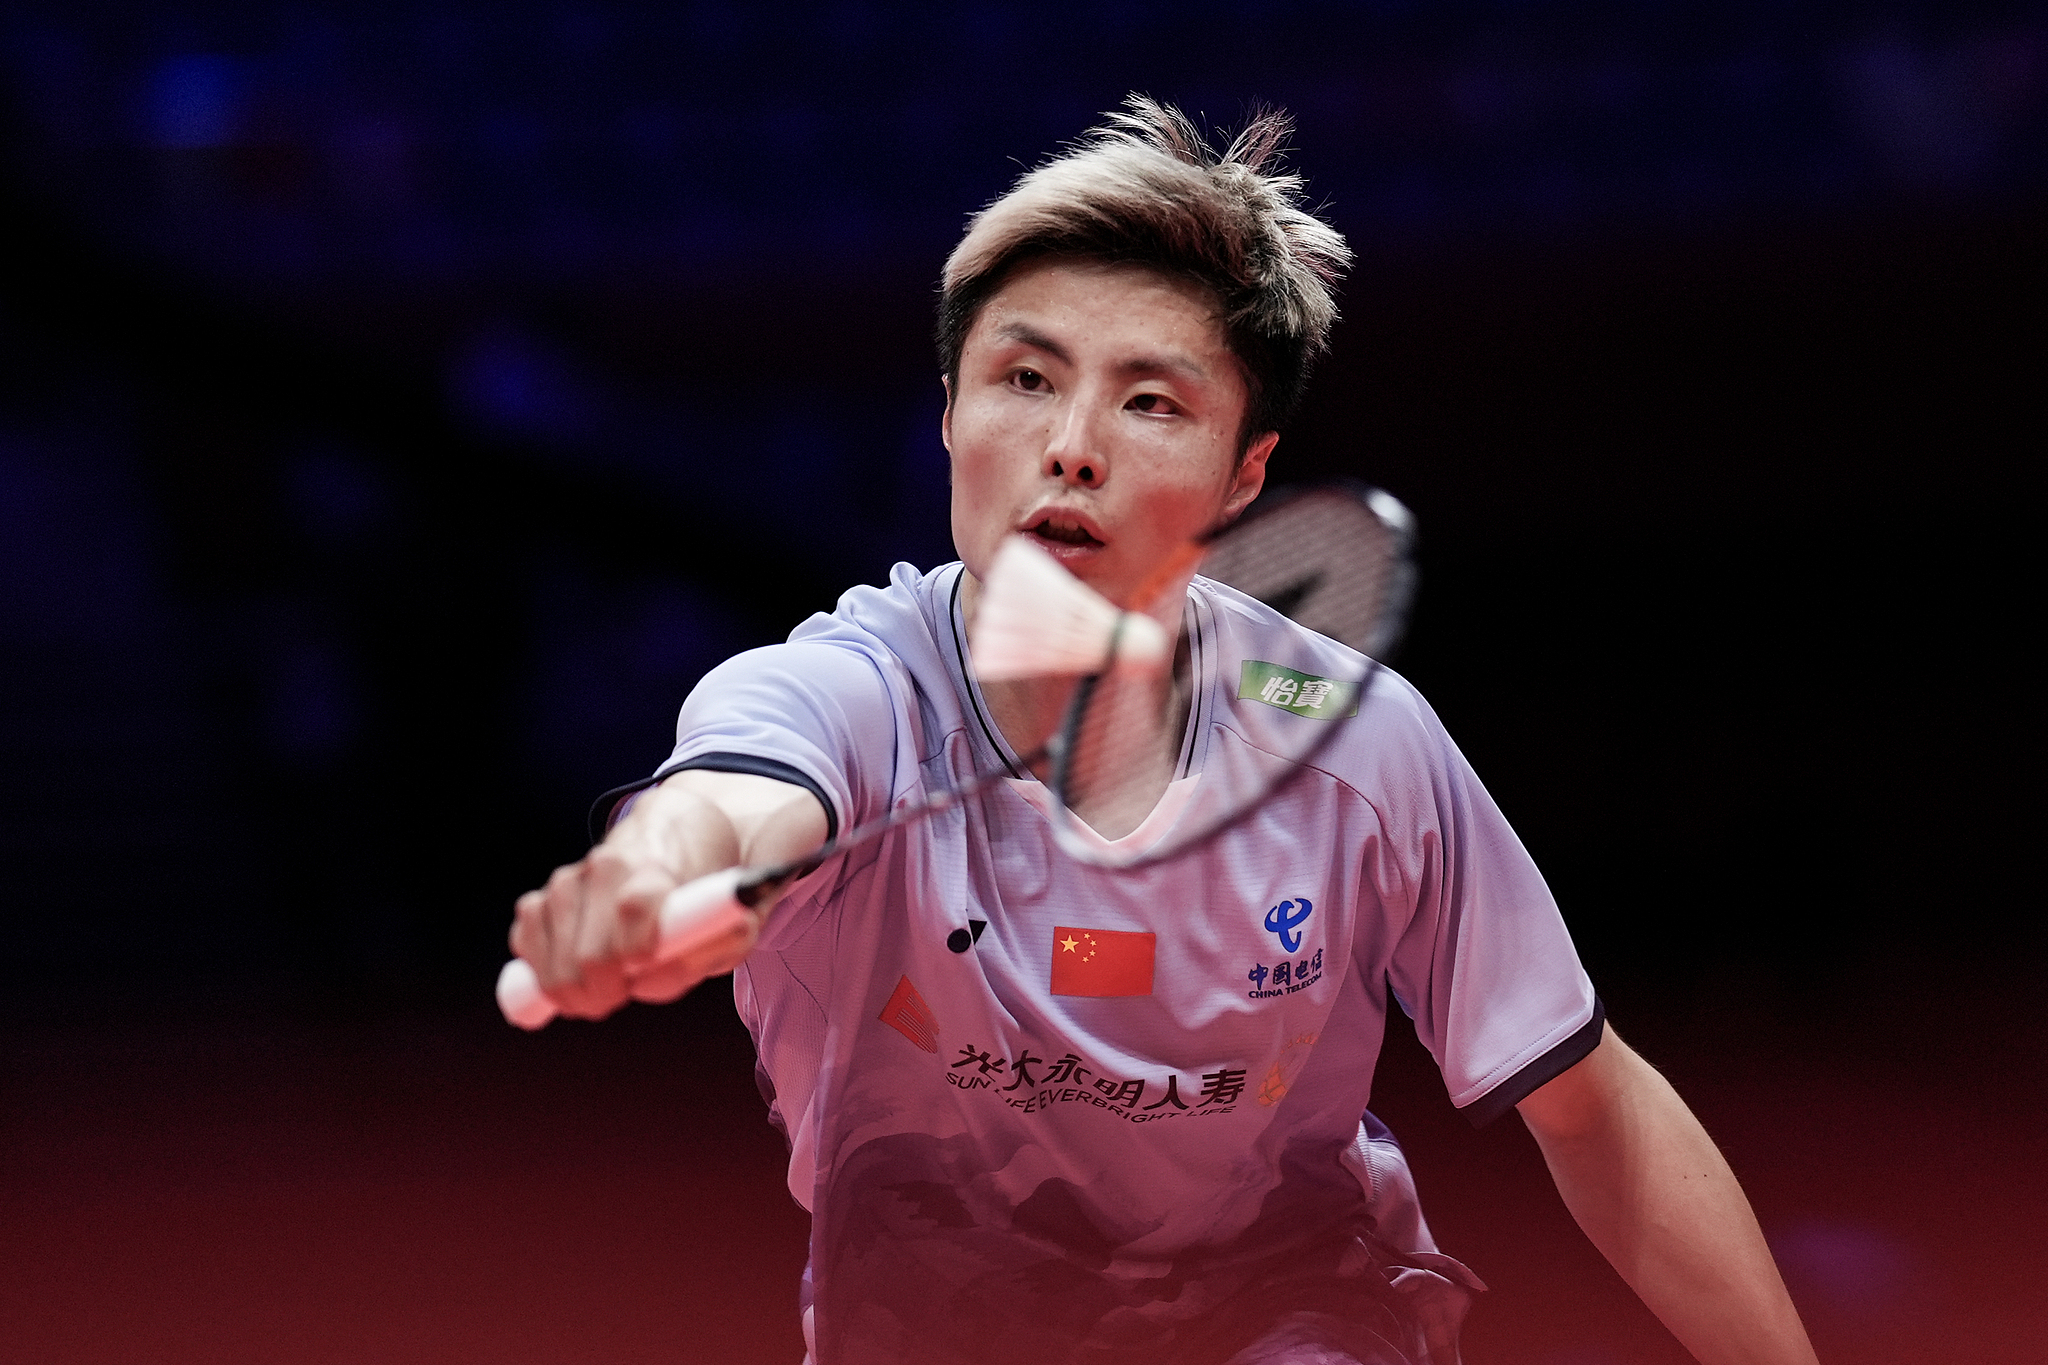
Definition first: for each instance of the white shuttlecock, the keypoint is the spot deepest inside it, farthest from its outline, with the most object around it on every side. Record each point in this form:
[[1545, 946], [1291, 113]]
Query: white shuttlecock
[[1036, 620]]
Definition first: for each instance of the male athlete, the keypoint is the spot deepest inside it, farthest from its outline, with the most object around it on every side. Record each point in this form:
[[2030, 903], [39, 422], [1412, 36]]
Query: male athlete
[[1010, 1156]]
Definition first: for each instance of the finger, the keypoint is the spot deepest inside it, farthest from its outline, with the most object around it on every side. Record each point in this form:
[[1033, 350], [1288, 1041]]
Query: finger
[[664, 982], [599, 992], [561, 914], [598, 938], [528, 935], [586, 985], [640, 898], [623, 895]]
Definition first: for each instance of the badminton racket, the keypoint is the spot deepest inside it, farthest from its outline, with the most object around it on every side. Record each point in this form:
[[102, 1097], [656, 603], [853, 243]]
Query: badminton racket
[[1147, 735]]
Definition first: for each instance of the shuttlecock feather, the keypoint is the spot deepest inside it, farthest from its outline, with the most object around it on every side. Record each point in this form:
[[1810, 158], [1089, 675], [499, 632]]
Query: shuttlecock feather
[[1036, 620]]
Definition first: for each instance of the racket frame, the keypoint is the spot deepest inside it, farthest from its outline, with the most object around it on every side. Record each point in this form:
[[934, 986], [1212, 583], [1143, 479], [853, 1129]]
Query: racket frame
[[716, 893]]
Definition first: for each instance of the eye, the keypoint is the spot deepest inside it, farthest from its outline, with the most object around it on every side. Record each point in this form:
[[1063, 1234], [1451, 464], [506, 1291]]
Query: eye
[[1031, 381], [1157, 404]]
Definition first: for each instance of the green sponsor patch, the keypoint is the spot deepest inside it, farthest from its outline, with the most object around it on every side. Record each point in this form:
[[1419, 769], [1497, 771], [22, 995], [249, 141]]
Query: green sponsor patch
[[1302, 693]]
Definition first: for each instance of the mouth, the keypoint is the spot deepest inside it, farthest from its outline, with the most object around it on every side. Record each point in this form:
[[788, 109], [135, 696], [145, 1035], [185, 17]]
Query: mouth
[[1063, 529]]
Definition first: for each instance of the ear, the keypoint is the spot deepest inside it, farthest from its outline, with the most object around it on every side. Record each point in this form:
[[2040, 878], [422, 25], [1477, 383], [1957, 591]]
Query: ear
[[1251, 474], [946, 417]]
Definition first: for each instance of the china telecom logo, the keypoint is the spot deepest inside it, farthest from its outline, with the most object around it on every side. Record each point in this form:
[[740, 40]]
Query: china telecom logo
[[1283, 919]]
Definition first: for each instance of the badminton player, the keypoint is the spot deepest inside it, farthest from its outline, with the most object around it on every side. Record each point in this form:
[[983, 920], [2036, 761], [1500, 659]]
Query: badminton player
[[1043, 1111]]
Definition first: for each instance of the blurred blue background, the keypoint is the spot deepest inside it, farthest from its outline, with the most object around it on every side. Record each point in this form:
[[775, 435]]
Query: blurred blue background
[[402, 404]]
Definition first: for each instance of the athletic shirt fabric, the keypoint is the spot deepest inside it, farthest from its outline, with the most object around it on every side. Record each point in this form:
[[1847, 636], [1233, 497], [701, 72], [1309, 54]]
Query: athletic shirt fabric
[[996, 1171]]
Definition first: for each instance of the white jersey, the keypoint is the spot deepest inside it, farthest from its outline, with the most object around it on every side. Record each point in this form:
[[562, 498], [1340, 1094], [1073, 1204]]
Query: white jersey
[[1038, 1108]]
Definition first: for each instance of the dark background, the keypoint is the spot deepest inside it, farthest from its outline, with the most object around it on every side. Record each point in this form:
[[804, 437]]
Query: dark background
[[402, 404]]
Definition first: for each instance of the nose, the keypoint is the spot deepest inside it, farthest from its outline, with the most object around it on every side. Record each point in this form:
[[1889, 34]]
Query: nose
[[1073, 454]]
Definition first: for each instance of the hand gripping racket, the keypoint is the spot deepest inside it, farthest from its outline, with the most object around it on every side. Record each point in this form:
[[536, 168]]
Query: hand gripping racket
[[1133, 765]]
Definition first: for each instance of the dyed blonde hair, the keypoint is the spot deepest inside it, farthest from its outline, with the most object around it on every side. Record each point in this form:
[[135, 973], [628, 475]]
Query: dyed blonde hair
[[1146, 187]]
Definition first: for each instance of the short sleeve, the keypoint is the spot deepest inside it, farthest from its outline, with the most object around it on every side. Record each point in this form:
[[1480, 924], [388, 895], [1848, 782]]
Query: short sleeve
[[1484, 965], [821, 711]]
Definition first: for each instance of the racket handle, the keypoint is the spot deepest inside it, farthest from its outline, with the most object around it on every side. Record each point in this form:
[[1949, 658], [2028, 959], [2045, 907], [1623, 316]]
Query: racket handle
[[520, 997], [704, 919]]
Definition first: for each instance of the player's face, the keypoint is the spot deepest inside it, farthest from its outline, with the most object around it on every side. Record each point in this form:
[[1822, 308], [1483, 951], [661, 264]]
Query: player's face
[[1097, 413]]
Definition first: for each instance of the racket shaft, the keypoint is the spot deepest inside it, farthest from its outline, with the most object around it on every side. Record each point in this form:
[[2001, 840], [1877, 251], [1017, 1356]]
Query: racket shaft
[[702, 922]]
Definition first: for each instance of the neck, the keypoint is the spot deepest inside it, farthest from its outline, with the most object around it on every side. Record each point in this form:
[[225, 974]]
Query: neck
[[1130, 738]]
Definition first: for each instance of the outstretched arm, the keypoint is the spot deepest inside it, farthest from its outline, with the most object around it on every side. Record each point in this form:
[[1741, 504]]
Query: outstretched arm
[[589, 934], [1655, 1195]]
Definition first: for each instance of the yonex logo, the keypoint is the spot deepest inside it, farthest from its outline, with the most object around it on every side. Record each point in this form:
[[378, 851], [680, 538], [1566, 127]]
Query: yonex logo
[[1284, 918]]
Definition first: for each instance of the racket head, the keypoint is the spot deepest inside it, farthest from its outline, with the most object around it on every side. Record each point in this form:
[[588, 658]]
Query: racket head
[[1143, 765], [1337, 558]]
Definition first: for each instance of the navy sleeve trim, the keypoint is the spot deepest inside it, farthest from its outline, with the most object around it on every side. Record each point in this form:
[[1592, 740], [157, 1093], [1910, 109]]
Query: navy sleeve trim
[[1538, 1073], [605, 809]]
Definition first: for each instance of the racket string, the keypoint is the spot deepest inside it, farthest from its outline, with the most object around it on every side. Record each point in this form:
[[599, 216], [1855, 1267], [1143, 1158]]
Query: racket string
[[1335, 560]]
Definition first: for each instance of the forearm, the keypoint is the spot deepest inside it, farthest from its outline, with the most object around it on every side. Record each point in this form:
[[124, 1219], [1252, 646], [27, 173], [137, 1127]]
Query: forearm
[[1652, 1191], [751, 821], [768, 821]]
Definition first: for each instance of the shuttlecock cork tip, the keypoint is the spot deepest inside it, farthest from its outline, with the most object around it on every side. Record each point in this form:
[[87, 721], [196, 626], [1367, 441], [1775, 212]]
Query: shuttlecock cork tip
[[1141, 644]]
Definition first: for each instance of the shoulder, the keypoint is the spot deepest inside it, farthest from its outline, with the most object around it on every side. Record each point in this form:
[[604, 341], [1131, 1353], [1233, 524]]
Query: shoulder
[[1386, 748], [892, 631], [1253, 641], [842, 702], [900, 614], [864, 669]]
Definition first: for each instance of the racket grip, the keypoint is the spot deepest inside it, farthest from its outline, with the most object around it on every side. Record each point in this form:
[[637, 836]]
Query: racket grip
[[705, 918], [520, 997]]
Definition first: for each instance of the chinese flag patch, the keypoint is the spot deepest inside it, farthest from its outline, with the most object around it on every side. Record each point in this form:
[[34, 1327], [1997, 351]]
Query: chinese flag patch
[[1101, 962], [908, 1014]]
